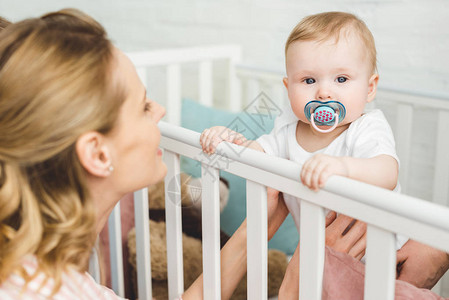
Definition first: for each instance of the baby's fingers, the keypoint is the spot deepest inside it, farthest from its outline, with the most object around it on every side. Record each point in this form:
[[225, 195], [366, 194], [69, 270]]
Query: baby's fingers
[[203, 139], [319, 174], [209, 135], [237, 138], [213, 139], [206, 139], [307, 172], [322, 177]]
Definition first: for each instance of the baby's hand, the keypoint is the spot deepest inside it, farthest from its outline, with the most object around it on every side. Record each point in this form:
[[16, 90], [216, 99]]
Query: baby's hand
[[317, 170], [211, 137]]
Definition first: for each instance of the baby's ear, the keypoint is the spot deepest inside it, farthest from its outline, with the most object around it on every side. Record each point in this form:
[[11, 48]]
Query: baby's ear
[[285, 81], [372, 87]]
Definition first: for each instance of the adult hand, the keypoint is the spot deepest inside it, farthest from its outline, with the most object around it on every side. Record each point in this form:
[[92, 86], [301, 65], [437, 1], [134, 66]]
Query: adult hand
[[345, 234], [420, 264], [276, 211]]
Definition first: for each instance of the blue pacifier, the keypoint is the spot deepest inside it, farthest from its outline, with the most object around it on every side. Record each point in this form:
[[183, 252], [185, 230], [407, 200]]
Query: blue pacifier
[[329, 113]]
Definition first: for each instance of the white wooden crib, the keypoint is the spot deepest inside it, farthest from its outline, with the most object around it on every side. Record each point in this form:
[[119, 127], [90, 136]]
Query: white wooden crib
[[386, 213]]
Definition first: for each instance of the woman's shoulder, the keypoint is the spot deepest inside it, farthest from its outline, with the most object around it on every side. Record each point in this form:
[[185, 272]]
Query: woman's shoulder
[[75, 285]]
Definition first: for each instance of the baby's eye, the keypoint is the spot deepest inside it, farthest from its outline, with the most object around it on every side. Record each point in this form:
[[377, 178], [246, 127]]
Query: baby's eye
[[309, 80], [147, 107], [341, 79]]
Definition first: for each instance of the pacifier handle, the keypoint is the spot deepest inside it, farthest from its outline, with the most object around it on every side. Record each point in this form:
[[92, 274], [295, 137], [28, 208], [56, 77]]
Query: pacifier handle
[[324, 130]]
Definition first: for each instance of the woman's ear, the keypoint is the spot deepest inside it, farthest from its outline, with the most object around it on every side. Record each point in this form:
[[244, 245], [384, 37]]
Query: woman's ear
[[94, 154], [285, 81], [372, 87]]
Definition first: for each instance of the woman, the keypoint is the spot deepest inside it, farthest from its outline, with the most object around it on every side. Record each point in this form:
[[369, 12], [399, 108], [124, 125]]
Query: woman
[[77, 132]]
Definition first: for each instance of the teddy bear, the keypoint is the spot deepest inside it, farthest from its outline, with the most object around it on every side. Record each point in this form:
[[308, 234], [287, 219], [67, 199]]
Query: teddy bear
[[191, 240]]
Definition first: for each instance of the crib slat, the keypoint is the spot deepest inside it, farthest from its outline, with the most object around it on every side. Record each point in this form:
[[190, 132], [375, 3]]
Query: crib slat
[[252, 90], [256, 201], [173, 225], [210, 207], [240, 85], [232, 90], [278, 93], [173, 87], [380, 272], [440, 193], [205, 83], [115, 248], [404, 120], [142, 72], [311, 258], [94, 264], [184, 55], [143, 255], [441, 175]]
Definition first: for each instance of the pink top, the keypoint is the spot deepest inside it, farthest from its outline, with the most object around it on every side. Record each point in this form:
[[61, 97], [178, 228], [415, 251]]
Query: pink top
[[75, 285], [344, 278]]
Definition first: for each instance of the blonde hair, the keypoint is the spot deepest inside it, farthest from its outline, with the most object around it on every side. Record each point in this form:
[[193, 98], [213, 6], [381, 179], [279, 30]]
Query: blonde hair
[[328, 25], [56, 83], [3, 23]]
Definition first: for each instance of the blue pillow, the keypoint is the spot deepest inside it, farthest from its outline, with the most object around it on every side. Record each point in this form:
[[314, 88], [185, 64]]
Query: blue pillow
[[197, 117]]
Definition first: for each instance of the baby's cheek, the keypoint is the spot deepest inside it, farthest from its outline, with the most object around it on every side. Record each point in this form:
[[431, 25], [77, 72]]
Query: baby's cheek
[[298, 109]]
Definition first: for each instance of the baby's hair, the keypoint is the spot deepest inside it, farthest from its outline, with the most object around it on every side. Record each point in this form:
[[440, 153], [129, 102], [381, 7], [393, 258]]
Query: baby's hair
[[3, 23], [58, 80], [329, 25]]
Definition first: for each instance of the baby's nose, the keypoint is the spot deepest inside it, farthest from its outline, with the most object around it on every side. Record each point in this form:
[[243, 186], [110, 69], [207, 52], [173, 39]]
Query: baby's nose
[[323, 93]]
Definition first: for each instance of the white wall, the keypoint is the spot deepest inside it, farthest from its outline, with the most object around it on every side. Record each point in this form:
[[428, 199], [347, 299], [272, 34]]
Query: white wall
[[412, 36]]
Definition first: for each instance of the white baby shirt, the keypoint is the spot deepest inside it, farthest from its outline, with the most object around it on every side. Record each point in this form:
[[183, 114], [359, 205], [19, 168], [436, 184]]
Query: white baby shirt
[[368, 136]]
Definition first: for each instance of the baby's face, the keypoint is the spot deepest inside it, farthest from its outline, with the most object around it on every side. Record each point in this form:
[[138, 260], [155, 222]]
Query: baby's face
[[329, 71]]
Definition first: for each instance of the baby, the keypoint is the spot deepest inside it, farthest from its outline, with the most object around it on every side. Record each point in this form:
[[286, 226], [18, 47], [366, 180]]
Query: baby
[[331, 76]]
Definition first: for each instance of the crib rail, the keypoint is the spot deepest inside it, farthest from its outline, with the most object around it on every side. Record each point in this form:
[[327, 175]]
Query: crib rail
[[385, 212], [205, 57]]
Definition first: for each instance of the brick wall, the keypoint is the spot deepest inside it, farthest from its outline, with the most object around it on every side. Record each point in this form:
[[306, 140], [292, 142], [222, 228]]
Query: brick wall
[[412, 36]]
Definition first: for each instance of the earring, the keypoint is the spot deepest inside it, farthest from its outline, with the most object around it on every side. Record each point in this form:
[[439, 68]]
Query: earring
[[110, 168]]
